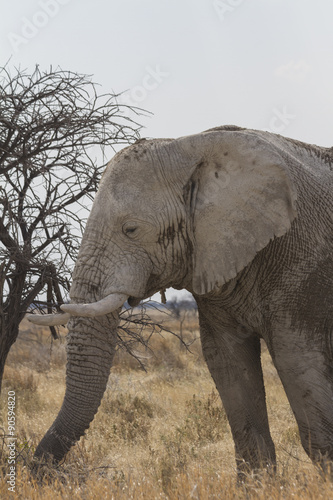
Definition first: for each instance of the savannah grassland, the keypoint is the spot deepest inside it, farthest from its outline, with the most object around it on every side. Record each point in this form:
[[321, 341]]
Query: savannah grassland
[[159, 434]]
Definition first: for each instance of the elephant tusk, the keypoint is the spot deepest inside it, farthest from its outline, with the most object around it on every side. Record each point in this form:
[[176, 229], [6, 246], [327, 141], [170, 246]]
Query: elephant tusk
[[104, 306], [49, 319]]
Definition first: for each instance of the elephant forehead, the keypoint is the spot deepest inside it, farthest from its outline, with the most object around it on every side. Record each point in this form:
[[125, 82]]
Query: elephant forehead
[[121, 196], [144, 160], [126, 181], [134, 189]]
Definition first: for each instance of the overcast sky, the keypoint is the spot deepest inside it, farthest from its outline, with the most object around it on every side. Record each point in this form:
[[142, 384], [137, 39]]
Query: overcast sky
[[195, 64]]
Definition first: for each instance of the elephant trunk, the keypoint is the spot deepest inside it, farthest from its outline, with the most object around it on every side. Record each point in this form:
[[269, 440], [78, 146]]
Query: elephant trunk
[[90, 350]]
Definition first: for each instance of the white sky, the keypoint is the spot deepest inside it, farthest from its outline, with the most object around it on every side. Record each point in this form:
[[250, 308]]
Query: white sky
[[195, 64]]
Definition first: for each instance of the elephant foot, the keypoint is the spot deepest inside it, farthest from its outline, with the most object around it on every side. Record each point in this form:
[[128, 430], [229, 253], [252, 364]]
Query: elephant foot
[[256, 465], [248, 472]]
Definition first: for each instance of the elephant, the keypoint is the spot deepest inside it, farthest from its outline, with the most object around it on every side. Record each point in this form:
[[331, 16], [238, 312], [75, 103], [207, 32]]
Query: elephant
[[242, 219]]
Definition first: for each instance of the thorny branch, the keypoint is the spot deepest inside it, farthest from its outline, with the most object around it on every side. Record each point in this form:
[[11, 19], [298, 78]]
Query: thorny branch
[[138, 328]]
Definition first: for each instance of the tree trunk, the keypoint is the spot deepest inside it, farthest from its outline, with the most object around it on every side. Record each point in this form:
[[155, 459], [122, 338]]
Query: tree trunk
[[8, 335]]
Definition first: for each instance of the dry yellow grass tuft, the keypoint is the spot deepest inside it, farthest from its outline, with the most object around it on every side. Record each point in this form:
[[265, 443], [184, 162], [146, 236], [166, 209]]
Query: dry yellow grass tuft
[[158, 434]]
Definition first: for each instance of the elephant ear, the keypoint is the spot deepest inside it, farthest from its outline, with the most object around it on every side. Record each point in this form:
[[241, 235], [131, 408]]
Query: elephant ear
[[240, 196]]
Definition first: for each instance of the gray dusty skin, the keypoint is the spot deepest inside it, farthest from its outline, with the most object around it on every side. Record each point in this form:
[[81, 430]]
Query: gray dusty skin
[[243, 220]]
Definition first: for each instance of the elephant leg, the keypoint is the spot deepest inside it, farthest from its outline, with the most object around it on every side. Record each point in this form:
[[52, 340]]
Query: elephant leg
[[233, 358], [306, 372]]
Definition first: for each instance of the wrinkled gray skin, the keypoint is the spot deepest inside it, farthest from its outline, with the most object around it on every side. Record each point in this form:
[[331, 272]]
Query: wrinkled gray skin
[[243, 220]]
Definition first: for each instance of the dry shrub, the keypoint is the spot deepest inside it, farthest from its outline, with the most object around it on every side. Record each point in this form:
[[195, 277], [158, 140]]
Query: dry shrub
[[197, 484], [176, 455], [20, 379], [24, 382], [129, 417], [125, 362], [206, 420], [35, 347], [291, 436], [165, 354]]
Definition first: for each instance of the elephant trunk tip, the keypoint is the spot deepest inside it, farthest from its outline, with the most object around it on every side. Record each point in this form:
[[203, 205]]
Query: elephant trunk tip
[[53, 448]]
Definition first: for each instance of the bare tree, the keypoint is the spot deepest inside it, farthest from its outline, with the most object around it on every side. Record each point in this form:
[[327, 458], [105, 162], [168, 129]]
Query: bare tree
[[52, 126]]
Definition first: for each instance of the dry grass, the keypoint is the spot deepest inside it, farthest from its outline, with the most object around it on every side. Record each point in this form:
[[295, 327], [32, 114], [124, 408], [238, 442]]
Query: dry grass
[[157, 435]]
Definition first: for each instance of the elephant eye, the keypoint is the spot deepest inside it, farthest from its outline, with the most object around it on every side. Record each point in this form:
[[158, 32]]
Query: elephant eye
[[130, 230]]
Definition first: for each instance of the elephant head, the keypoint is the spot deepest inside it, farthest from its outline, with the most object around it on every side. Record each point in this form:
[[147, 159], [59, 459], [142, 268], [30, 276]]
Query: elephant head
[[184, 213]]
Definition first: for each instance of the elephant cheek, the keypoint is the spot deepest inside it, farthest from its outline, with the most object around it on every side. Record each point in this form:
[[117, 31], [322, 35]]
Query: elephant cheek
[[90, 351]]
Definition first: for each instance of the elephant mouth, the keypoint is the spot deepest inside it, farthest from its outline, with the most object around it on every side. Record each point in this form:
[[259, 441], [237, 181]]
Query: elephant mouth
[[134, 301]]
